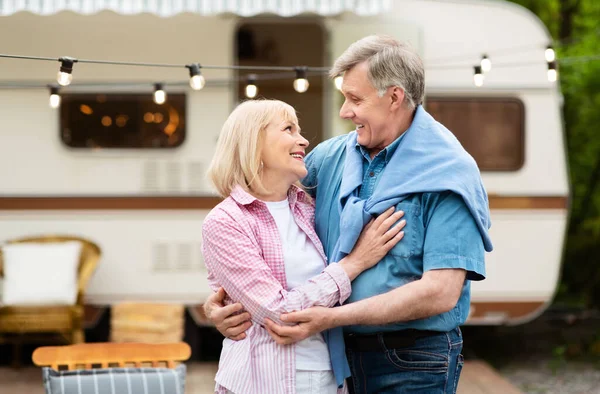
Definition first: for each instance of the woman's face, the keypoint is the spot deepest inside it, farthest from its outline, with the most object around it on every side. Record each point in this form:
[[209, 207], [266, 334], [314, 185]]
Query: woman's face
[[284, 150]]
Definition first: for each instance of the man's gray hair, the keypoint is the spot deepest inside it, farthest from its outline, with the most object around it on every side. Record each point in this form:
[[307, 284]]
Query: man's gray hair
[[390, 62]]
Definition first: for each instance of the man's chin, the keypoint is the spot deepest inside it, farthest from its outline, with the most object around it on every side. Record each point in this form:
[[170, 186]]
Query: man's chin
[[362, 140]]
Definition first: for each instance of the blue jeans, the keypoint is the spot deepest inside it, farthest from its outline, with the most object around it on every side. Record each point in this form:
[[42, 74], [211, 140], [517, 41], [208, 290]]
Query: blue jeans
[[431, 366]]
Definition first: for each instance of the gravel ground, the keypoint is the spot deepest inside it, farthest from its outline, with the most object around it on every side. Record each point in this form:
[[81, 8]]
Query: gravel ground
[[545, 376]]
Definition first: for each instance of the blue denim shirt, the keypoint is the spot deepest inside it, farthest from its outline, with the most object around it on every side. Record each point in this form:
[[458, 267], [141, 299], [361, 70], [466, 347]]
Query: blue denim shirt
[[440, 232]]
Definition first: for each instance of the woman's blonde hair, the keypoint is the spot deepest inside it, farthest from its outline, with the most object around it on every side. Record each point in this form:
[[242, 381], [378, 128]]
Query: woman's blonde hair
[[241, 141]]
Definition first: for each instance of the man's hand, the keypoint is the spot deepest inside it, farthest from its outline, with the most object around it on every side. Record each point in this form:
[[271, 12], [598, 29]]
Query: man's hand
[[229, 325], [309, 322]]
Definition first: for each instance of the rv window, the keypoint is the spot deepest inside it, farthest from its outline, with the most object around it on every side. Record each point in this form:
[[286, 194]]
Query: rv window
[[122, 121], [490, 129]]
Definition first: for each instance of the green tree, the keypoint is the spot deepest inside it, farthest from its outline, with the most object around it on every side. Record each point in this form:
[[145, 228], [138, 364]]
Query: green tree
[[575, 28]]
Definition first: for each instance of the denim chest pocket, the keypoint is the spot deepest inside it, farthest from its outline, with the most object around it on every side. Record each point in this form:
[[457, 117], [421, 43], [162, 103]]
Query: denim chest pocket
[[412, 243]]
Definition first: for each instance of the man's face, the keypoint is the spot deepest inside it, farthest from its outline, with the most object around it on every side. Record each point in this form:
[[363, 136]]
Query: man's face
[[369, 112]]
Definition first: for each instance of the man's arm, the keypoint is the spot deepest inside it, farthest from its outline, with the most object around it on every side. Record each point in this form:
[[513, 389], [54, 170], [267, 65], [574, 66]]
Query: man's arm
[[436, 292], [453, 250]]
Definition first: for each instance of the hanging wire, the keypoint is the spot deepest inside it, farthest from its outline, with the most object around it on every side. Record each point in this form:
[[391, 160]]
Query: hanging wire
[[166, 65], [512, 50]]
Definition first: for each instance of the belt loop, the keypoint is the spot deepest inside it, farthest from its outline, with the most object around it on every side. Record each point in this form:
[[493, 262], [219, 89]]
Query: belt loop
[[381, 341]]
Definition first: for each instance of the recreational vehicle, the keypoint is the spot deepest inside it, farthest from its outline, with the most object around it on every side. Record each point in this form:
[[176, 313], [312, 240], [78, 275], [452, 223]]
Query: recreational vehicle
[[113, 167]]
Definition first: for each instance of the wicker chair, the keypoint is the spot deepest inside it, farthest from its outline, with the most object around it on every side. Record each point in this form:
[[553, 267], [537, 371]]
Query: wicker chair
[[27, 323]]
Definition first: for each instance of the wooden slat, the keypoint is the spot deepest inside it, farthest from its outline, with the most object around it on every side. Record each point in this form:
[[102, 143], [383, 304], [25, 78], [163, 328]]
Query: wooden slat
[[104, 353]]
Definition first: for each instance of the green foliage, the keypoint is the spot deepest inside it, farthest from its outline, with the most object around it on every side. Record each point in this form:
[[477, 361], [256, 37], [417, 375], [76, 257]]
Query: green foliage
[[575, 27]]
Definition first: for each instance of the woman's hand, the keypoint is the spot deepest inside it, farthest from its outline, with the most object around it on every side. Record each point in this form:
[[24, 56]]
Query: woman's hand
[[375, 241]]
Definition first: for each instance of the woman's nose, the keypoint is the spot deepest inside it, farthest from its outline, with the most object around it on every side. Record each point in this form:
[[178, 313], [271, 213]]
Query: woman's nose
[[303, 142]]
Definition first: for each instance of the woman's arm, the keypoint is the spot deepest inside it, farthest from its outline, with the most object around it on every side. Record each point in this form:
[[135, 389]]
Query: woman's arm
[[236, 262]]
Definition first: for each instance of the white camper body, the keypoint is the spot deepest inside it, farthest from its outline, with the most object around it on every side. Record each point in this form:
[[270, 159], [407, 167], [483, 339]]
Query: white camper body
[[153, 252]]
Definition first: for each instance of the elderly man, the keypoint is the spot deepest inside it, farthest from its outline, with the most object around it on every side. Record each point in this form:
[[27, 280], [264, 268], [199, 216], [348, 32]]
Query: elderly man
[[399, 330]]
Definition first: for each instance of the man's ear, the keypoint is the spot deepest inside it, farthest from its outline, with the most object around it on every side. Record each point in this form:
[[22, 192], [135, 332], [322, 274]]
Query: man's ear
[[397, 96]]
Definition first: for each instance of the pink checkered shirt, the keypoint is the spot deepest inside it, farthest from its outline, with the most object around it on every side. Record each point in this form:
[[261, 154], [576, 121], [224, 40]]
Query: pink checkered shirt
[[243, 253]]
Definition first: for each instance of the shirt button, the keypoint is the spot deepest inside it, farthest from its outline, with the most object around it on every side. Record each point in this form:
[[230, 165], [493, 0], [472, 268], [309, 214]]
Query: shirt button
[[371, 174]]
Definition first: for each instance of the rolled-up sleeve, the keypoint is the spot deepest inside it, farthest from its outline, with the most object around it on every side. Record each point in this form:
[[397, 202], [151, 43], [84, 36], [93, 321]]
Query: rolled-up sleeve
[[452, 239], [235, 261]]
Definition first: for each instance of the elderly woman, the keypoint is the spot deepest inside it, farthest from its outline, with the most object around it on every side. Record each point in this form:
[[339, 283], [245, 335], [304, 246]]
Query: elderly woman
[[260, 246]]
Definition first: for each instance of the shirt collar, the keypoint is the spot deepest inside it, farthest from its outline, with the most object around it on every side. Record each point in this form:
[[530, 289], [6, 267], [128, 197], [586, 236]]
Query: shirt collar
[[243, 197], [388, 152]]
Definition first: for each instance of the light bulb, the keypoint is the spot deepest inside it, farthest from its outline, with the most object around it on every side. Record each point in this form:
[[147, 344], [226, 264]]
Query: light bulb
[[301, 85], [550, 54], [159, 94], [251, 91], [486, 64], [478, 79], [54, 100], [197, 82], [64, 78], [338, 82], [478, 76]]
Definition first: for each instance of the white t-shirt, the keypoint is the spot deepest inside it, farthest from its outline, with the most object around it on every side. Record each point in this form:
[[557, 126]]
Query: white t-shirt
[[302, 262]]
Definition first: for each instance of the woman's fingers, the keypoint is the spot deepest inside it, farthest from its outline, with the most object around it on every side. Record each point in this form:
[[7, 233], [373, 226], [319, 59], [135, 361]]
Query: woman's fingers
[[389, 221], [391, 243], [391, 233], [384, 215]]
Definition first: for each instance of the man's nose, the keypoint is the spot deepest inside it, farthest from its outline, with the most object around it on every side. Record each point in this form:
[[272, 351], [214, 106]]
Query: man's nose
[[345, 112]]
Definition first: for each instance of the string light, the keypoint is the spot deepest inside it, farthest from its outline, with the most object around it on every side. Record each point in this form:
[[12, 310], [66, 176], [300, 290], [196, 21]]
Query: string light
[[338, 82], [550, 54], [54, 97], [478, 76], [65, 74], [552, 73], [251, 88], [301, 83], [486, 64], [197, 81], [159, 94]]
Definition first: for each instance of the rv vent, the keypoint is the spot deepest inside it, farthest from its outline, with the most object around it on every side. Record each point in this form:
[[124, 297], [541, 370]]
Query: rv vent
[[184, 257], [173, 176], [150, 181], [160, 254], [196, 176]]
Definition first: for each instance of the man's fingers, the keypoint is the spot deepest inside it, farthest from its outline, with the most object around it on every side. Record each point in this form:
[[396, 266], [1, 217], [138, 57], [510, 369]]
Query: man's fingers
[[236, 320], [220, 295], [271, 325], [278, 339], [226, 311], [296, 317], [238, 337], [237, 330]]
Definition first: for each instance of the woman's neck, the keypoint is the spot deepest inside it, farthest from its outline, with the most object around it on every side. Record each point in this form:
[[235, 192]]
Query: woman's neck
[[276, 185]]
